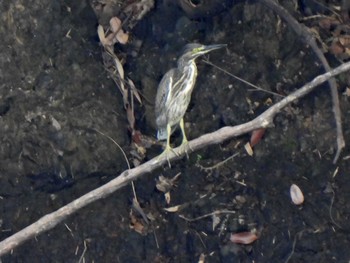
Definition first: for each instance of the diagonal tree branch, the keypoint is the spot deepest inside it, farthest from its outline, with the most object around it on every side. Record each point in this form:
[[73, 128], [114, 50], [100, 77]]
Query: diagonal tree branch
[[264, 120]]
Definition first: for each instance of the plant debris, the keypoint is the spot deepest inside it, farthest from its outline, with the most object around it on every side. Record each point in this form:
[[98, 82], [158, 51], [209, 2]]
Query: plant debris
[[244, 238], [296, 195]]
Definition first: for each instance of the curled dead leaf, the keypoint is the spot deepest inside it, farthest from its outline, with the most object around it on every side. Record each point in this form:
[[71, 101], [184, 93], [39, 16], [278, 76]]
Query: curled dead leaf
[[296, 195], [122, 37], [115, 24], [256, 136], [244, 238], [167, 197], [119, 34], [165, 184], [114, 35], [173, 209]]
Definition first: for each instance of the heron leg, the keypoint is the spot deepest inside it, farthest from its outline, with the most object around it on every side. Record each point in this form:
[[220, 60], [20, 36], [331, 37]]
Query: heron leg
[[168, 148], [184, 138], [184, 143]]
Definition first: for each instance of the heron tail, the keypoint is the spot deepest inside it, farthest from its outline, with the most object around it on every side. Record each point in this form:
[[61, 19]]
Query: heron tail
[[162, 134]]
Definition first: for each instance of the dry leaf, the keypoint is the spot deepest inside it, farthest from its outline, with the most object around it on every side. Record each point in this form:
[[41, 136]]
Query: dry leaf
[[115, 24], [118, 34], [119, 67], [136, 206], [201, 258], [122, 37], [296, 195], [167, 197], [101, 35], [173, 209], [130, 117], [115, 34], [140, 150], [162, 184], [347, 92], [248, 149], [138, 226], [256, 136], [244, 238], [216, 221], [134, 90], [165, 184]]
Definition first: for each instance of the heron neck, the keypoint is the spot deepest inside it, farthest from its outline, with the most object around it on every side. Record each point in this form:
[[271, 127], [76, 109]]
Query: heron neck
[[188, 71], [184, 62]]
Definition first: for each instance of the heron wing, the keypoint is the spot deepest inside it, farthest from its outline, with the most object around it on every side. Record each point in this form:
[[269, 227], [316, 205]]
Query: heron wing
[[165, 92]]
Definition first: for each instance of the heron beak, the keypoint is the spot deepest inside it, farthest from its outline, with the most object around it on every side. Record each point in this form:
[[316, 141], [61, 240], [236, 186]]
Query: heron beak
[[213, 47]]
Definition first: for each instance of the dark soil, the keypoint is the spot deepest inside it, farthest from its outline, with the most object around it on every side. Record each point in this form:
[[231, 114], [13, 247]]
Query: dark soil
[[55, 96]]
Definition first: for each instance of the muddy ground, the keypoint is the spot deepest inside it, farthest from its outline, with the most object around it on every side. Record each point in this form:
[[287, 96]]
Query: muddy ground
[[55, 95]]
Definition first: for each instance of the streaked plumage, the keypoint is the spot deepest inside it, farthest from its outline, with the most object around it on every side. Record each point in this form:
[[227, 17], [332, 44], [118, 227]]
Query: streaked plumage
[[175, 89]]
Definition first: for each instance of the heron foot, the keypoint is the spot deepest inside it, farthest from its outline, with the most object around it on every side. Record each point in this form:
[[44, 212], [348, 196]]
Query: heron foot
[[185, 147], [165, 153]]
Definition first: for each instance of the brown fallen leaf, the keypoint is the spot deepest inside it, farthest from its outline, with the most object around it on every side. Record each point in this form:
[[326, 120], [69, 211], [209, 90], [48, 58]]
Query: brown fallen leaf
[[114, 35], [137, 225], [118, 34], [244, 238], [256, 136]]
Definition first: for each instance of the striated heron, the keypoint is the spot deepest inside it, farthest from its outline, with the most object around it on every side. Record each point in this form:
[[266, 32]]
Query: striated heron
[[174, 92]]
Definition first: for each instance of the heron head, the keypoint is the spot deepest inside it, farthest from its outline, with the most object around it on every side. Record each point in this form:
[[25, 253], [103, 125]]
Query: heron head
[[194, 50]]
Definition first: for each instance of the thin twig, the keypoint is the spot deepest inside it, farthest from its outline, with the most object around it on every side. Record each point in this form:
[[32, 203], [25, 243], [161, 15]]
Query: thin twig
[[297, 235], [242, 80], [49, 221], [330, 210], [120, 148], [217, 165], [81, 259], [126, 160], [216, 212]]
